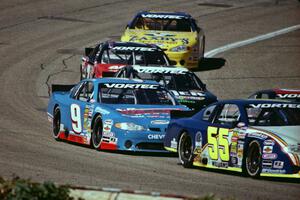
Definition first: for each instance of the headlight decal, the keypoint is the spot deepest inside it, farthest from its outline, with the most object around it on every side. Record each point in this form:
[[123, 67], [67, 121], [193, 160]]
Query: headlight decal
[[129, 126]]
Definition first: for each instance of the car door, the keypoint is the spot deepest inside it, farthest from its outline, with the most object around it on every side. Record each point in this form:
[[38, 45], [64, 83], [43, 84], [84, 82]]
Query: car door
[[219, 136], [81, 108]]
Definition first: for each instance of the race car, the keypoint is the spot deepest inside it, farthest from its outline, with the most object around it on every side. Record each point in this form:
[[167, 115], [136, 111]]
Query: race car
[[112, 114], [109, 56], [186, 87], [175, 32], [255, 137], [284, 94]]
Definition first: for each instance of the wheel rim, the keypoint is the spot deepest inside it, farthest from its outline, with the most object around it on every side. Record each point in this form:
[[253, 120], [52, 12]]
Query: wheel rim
[[56, 123], [185, 148], [253, 159]]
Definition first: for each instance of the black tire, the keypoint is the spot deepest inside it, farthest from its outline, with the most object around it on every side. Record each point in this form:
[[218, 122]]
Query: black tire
[[81, 72], [202, 48], [56, 123], [253, 159], [185, 150], [97, 133]]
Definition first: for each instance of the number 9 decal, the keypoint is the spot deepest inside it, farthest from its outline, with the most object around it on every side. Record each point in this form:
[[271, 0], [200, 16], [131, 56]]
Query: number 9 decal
[[76, 118]]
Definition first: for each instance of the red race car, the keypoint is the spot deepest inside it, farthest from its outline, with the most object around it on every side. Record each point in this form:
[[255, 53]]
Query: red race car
[[110, 56], [283, 94]]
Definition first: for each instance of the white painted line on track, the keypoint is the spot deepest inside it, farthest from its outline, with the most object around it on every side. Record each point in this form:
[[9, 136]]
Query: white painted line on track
[[250, 41]]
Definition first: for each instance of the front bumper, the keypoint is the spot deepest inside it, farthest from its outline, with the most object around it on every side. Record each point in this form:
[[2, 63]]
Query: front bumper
[[137, 141]]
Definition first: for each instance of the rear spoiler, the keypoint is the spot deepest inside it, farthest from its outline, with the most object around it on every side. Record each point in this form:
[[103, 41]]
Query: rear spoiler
[[175, 114], [61, 88], [88, 50]]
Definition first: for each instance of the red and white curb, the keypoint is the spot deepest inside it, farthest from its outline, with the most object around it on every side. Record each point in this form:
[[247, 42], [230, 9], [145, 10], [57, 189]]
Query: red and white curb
[[94, 193], [238, 44]]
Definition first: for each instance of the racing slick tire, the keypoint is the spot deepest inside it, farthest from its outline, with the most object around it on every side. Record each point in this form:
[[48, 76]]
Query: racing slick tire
[[185, 150], [56, 123], [97, 133], [202, 50], [253, 159]]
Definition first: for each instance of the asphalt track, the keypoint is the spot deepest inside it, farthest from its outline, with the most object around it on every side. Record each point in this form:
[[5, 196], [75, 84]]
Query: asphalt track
[[41, 42]]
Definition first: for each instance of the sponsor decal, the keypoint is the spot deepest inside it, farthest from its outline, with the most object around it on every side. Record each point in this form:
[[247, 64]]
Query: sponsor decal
[[135, 48], [234, 143], [268, 149], [234, 160], [275, 105], [288, 96], [267, 163], [160, 34], [162, 16], [107, 124], [108, 134], [174, 143], [160, 39], [274, 171], [188, 93], [160, 122], [278, 164], [130, 86], [269, 156], [115, 67], [240, 150], [185, 101], [111, 140], [220, 164], [162, 70], [155, 137], [242, 135], [198, 140], [269, 142], [257, 135], [101, 110]]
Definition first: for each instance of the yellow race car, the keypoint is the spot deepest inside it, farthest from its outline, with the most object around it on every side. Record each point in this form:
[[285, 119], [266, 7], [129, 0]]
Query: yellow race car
[[175, 32]]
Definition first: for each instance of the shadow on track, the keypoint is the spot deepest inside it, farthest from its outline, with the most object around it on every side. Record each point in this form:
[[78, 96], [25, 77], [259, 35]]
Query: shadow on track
[[206, 64]]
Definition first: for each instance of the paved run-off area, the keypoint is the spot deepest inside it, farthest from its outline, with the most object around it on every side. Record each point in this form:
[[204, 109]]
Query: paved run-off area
[[41, 43]]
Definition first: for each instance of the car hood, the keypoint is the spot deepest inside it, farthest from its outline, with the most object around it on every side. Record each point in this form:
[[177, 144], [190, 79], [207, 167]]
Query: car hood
[[163, 39], [290, 134], [150, 112]]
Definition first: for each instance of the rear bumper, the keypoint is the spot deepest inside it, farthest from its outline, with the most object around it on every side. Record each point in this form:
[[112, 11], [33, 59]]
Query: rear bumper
[[184, 59]]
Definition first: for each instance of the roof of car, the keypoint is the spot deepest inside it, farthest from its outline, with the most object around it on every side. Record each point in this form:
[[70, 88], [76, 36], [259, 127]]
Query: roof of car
[[124, 80], [183, 14], [280, 91], [112, 44], [253, 101]]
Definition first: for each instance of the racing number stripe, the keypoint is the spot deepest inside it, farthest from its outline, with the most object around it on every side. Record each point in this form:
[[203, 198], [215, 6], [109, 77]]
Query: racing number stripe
[[218, 146]]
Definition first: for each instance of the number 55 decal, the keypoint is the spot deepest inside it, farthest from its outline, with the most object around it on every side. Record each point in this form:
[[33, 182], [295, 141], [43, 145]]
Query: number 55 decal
[[76, 118], [218, 145]]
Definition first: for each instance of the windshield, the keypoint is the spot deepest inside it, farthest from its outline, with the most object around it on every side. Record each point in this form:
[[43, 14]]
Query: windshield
[[186, 81], [162, 23], [273, 116], [145, 94], [154, 57]]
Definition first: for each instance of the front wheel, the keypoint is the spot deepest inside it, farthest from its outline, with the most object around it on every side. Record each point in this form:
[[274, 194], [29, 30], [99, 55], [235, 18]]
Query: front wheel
[[97, 133], [185, 150], [56, 123], [253, 159]]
